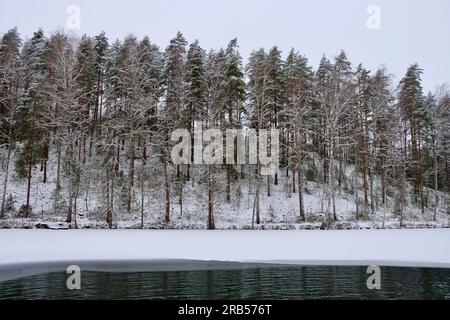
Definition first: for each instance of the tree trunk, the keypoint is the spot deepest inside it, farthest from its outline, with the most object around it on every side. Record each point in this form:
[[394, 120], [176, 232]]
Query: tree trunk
[[447, 174], [258, 187], [58, 166], [116, 167], [371, 192], [326, 166], [211, 225], [332, 181], [180, 182], [383, 177], [75, 200], [436, 194], [88, 186], [293, 179], [364, 157], [27, 212], [5, 182], [131, 174], [113, 179], [339, 175], [300, 194], [299, 173], [228, 186], [364, 176], [420, 173], [107, 196], [333, 198], [69, 211], [402, 203], [83, 140], [71, 183], [142, 191], [45, 153], [355, 186], [167, 192], [403, 182]]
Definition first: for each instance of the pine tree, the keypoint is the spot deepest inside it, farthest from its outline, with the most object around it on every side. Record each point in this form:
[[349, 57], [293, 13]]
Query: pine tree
[[297, 113], [361, 129], [171, 116], [235, 95], [214, 117], [411, 101], [195, 90], [259, 112], [381, 103], [9, 97], [150, 63], [322, 85], [85, 67], [109, 144], [275, 94], [27, 130]]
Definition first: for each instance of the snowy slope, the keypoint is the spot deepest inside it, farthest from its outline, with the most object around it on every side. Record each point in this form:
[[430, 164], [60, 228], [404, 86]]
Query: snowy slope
[[279, 211]]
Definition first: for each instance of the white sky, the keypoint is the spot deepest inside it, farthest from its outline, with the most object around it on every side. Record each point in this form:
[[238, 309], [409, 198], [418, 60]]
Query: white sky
[[411, 30]]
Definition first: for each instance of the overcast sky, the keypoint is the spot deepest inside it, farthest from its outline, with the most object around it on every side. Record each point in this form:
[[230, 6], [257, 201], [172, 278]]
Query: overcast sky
[[411, 30]]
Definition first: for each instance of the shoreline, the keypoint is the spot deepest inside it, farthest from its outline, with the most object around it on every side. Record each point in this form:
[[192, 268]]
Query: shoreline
[[16, 271]]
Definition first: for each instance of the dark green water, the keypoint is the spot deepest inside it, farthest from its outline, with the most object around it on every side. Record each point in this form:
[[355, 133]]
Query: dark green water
[[303, 282]]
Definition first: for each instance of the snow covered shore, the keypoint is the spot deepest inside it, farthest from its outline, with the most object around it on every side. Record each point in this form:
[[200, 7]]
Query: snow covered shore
[[425, 247]]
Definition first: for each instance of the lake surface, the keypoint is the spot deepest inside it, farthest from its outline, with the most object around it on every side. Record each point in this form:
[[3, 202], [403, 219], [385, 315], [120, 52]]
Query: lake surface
[[291, 282]]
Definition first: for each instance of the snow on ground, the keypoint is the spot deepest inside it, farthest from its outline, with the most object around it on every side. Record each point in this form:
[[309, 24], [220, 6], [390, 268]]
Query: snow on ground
[[424, 247]]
